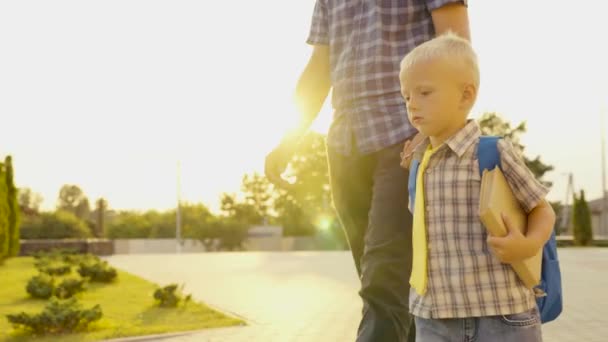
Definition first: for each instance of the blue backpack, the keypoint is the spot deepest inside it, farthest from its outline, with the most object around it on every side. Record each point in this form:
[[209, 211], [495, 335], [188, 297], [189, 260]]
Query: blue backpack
[[549, 298]]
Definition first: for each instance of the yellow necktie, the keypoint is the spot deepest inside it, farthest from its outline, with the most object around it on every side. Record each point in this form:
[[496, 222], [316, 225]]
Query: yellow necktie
[[418, 279]]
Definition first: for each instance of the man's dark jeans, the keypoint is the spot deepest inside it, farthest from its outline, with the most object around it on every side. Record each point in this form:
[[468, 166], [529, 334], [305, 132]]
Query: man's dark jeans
[[370, 195]]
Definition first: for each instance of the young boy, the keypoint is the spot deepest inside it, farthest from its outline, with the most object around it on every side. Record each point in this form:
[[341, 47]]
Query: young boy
[[463, 288]]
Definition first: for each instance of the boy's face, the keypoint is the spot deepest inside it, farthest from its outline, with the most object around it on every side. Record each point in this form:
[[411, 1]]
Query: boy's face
[[435, 98]]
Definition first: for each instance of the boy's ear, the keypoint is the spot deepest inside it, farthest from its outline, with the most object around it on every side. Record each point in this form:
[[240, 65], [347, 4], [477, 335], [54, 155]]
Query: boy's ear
[[469, 93]]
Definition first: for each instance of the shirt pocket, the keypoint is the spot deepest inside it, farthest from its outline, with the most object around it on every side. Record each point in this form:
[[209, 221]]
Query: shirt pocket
[[524, 319]]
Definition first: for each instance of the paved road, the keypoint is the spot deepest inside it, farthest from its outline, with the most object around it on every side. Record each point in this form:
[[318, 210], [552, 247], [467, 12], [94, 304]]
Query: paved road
[[312, 296]]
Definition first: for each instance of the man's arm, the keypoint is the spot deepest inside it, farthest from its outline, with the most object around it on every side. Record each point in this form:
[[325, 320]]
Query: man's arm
[[312, 89], [452, 17]]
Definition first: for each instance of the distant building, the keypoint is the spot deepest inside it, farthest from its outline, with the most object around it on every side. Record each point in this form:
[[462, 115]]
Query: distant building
[[599, 221], [265, 231], [264, 238]]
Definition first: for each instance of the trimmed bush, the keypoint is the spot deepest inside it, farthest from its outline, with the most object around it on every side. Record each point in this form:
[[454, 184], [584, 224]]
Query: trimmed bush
[[52, 268], [170, 296], [58, 317], [68, 288], [41, 286], [99, 272], [68, 256]]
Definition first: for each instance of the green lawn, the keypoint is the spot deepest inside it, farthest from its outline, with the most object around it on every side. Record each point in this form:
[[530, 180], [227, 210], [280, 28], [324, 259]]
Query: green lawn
[[127, 304]]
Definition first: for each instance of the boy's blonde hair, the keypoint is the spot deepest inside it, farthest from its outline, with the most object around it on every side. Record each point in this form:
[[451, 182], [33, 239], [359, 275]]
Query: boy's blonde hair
[[450, 48]]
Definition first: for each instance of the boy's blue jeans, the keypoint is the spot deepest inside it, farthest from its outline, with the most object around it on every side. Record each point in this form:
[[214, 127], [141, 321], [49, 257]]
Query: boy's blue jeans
[[521, 327]]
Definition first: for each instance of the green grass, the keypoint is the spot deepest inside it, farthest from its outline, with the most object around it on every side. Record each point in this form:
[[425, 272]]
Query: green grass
[[127, 304]]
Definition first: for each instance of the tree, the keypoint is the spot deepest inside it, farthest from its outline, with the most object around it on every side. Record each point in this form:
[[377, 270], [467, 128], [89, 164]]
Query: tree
[[224, 232], [293, 217], [255, 208], [581, 221], [162, 224], [239, 215], [558, 209], [258, 193], [100, 210], [306, 207], [4, 214], [493, 124], [29, 201], [54, 225], [232, 226], [243, 212], [194, 218], [13, 206], [209, 233], [129, 225], [73, 200], [231, 233]]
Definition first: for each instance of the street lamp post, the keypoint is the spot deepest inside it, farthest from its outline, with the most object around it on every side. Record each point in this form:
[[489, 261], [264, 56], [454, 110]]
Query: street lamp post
[[565, 214], [178, 217], [604, 213]]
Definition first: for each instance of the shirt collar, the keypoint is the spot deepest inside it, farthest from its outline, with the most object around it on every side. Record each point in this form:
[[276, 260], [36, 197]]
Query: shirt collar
[[458, 143]]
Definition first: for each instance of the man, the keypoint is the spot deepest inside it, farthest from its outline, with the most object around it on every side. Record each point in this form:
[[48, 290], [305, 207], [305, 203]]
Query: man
[[357, 47]]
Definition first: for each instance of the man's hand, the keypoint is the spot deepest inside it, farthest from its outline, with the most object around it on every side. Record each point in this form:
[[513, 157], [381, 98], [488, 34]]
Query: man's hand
[[276, 163], [513, 247], [408, 150]]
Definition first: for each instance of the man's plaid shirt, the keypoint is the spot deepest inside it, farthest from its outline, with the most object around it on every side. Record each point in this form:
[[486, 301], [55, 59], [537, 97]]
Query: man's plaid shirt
[[367, 40], [464, 278]]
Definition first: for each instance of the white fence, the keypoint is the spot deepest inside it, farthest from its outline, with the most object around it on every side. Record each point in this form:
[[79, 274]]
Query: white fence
[[274, 243]]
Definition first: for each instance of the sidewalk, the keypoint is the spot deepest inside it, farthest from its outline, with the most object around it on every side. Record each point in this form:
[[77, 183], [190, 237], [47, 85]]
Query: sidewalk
[[312, 296]]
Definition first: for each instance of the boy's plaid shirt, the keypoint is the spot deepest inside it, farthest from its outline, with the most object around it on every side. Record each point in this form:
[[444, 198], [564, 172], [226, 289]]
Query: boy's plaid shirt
[[465, 278], [367, 40]]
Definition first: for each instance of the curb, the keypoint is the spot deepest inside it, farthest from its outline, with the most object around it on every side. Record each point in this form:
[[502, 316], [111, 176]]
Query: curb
[[157, 337], [152, 337]]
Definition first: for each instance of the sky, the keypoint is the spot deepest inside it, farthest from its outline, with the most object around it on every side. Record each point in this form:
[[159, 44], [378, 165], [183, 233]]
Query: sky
[[114, 95]]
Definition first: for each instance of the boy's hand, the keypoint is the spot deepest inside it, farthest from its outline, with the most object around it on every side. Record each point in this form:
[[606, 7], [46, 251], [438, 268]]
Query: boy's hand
[[513, 247]]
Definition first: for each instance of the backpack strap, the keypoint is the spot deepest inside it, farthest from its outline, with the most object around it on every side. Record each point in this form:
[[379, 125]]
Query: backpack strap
[[411, 184], [487, 153]]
